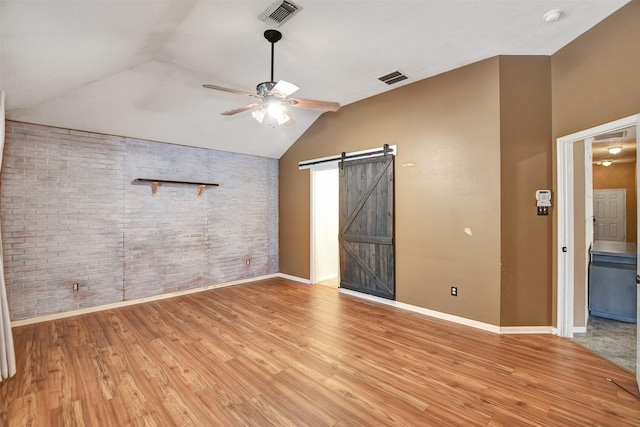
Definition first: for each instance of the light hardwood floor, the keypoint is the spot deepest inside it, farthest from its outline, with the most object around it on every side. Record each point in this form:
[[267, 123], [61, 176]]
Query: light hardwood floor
[[280, 353]]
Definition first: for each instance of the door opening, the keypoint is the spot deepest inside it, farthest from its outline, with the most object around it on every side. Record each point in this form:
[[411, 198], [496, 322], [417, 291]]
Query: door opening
[[324, 226], [567, 251]]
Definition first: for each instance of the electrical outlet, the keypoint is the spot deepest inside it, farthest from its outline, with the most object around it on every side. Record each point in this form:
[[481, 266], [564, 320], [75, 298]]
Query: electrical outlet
[[76, 287], [248, 261], [454, 291]]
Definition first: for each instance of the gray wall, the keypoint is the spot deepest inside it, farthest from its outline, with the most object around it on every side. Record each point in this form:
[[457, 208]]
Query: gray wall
[[70, 214]]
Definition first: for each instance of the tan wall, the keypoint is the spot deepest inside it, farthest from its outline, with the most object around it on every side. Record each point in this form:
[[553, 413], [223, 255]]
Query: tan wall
[[525, 132], [448, 128], [595, 81], [595, 78], [620, 175]]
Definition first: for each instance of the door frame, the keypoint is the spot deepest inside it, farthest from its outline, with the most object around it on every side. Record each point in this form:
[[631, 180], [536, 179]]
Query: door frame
[[565, 218]]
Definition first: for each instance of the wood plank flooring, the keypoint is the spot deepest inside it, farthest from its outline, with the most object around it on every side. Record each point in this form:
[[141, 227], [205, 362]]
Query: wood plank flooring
[[279, 353]]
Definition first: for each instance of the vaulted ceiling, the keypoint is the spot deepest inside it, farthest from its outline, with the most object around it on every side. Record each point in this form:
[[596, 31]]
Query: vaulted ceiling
[[136, 68]]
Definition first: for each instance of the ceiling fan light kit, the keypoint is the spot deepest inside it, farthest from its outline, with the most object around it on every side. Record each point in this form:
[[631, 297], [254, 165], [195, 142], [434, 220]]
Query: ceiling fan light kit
[[274, 96]]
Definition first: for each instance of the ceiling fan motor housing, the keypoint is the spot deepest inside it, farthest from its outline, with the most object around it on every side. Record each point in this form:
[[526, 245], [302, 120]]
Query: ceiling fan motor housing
[[264, 88]]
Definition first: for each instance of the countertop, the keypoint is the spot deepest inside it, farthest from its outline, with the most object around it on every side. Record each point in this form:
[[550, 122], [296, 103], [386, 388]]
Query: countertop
[[621, 249]]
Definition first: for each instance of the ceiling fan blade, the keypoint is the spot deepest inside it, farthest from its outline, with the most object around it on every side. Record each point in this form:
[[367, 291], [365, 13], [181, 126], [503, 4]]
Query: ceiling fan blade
[[237, 92], [284, 88], [240, 110], [316, 105]]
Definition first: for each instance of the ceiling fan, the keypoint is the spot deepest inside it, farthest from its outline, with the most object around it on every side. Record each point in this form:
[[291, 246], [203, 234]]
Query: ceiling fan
[[274, 96]]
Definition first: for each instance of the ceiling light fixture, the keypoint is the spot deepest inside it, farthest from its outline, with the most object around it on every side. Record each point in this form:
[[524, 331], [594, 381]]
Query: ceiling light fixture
[[606, 162], [552, 16], [614, 150], [273, 109]]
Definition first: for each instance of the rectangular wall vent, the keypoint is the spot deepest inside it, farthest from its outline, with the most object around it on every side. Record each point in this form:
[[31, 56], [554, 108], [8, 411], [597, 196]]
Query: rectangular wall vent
[[391, 78], [611, 135], [279, 13]]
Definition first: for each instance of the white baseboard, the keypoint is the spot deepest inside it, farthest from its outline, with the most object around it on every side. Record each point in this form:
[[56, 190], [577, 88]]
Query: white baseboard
[[451, 318], [409, 307], [579, 329], [526, 330], [119, 304], [294, 278], [426, 311]]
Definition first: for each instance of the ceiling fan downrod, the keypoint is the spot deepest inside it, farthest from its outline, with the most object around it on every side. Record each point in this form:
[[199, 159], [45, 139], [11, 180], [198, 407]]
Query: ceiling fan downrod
[[272, 36]]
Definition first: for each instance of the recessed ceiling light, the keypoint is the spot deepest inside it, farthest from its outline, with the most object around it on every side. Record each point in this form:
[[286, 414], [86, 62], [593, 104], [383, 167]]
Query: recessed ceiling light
[[606, 163], [552, 16], [614, 150]]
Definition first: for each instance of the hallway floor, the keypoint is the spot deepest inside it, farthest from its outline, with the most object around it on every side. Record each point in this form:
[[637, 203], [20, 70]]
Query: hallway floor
[[613, 340]]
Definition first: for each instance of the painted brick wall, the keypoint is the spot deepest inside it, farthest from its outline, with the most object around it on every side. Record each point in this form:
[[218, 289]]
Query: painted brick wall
[[70, 214]]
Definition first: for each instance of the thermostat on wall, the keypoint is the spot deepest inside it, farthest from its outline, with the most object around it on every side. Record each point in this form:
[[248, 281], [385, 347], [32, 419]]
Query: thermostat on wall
[[543, 201]]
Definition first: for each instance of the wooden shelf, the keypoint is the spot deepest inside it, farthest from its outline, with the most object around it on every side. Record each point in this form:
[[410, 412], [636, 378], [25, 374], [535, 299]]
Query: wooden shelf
[[155, 183]]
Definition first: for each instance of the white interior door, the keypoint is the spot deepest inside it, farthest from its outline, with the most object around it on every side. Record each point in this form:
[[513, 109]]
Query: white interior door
[[609, 207]]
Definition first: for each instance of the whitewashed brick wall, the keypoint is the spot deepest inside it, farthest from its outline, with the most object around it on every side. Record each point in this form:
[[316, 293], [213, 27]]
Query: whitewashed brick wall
[[70, 214]]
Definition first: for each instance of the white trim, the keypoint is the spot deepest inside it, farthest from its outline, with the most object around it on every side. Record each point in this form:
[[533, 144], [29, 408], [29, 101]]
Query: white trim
[[451, 318], [120, 304], [431, 313], [523, 330], [294, 278], [580, 330], [425, 311], [564, 199], [332, 161]]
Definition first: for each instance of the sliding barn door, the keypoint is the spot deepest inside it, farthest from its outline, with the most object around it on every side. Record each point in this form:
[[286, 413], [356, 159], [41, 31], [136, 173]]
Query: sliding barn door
[[366, 226]]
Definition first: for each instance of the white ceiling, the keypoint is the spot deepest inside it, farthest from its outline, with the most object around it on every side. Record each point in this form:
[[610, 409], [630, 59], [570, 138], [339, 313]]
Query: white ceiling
[[135, 68]]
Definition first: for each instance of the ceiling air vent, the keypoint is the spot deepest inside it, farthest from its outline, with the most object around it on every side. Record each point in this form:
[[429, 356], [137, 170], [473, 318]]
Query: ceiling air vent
[[611, 135], [279, 13], [392, 78]]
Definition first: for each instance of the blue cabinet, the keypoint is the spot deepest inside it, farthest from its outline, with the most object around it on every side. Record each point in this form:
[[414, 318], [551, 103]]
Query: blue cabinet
[[612, 284]]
